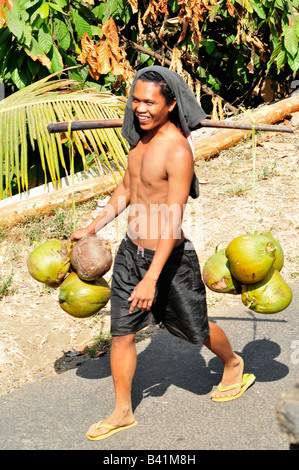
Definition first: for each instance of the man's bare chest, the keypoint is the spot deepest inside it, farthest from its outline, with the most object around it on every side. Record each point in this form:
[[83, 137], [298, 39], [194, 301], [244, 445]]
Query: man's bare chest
[[147, 167]]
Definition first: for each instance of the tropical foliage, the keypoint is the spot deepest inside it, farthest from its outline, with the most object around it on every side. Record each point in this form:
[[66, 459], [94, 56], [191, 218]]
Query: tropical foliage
[[228, 46], [231, 52], [24, 116]]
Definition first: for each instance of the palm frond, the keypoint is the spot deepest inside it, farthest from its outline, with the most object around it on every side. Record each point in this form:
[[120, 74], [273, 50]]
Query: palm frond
[[24, 117]]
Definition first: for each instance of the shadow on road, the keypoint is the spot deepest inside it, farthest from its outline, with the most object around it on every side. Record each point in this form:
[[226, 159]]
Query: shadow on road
[[169, 361]]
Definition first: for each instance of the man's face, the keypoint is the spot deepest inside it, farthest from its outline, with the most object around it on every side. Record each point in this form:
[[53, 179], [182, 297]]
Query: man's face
[[149, 105]]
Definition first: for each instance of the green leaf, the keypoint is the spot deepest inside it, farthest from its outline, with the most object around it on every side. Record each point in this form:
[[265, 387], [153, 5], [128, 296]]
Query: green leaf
[[18, 28], [209, 45], [44, 38], [56, 60], [61, 3], [44, 10], [26, 4], [275, 52], [291, 41], [19, 78], [247, 5], [61, 34], [81, 25], [213, 83], [53, 6], [293, 62], [33, 66], [36, 53], [281, 58], [173, 5], [96, 31], [279, 4], [259, 9], [101, 12]]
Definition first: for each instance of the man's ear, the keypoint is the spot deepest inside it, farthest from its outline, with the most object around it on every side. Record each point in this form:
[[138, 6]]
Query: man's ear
[[172, 106]]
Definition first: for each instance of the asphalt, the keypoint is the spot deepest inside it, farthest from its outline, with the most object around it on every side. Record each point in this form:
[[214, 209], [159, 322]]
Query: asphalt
[[170, 394]]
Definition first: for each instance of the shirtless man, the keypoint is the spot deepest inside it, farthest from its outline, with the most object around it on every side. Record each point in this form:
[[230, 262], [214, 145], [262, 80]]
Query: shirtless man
[[160, 170]]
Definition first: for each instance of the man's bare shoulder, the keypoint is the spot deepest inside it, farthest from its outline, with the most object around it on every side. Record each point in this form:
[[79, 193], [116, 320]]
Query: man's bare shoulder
[[178, 149]]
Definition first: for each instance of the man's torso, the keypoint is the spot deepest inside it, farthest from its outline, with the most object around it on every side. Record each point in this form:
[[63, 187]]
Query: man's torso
[[147, 164]]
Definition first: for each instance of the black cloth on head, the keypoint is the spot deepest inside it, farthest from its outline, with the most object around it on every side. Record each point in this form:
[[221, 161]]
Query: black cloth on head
[[189, 112]]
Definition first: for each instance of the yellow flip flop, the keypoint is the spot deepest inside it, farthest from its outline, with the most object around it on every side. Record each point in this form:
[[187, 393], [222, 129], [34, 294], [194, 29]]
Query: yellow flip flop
[[112, 430], [247, 381]]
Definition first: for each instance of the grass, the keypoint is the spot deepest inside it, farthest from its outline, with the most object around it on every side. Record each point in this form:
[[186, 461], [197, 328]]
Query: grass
[[6, 285], [237, 189], [59, 225], [101, 343]]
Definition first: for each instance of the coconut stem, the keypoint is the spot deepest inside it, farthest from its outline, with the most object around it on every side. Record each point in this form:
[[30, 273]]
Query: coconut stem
[[254, 177], [254, 140], [72, 167]]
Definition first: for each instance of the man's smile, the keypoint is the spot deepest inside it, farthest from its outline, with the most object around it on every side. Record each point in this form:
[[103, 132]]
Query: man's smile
[[143, 119]]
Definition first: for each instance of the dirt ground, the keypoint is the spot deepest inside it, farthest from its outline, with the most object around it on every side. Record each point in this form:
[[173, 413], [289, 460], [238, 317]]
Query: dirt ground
[[38, 339]]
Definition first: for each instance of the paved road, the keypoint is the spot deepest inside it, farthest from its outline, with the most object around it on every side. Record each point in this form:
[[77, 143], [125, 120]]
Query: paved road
[[170, 394]]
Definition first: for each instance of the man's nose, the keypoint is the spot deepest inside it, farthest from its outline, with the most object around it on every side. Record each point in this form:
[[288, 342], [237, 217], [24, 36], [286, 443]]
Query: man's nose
[[141, 107]]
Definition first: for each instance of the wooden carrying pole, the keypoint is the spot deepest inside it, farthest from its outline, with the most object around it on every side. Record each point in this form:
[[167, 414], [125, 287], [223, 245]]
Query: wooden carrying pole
[[108, 123]]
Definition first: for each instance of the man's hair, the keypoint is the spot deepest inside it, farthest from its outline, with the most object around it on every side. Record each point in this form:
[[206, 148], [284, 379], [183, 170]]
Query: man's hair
[[155, 77]]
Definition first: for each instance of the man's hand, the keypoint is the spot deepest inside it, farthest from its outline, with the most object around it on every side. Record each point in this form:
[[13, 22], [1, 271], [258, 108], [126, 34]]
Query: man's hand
[[143, 295], [80, 233]]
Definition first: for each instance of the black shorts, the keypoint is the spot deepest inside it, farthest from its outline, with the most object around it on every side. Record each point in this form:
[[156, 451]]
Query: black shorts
[[180, 300]]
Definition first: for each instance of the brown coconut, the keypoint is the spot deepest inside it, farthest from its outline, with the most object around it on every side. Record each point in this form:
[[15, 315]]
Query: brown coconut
[[91, 257]]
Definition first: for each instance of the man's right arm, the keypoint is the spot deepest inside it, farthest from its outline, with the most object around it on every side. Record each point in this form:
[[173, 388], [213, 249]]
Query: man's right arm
[[119, 200]]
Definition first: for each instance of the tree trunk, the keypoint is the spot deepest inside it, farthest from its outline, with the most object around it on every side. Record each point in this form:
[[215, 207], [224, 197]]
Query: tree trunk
[[44, 205], [223, 139]]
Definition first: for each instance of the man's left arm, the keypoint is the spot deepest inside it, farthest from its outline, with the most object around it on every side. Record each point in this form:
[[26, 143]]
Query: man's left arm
[[180, 172]]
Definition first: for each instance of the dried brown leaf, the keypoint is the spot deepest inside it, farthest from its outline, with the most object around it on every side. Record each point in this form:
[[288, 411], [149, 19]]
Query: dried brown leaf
[[176, 64], [230, 8], [117, 67], [103, 58], [154, 8], [2, 16], [88, 49], [134, 5]]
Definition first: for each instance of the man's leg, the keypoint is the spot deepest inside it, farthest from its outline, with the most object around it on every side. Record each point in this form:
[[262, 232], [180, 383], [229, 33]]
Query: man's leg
[[123, 366], [219, 344]]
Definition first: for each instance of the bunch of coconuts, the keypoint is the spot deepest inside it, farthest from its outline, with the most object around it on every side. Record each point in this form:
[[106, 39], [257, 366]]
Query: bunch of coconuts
[[250, 266], [77, 270]]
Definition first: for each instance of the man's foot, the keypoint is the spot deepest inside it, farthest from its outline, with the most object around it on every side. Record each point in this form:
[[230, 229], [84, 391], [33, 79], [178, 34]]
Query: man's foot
[[232, 374], [106, 427]]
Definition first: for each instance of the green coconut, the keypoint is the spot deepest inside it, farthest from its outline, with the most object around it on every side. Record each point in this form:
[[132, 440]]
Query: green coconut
[[49, 262], [217, 275], [83, 299], [279, 255], [271, 295], [251, 257]]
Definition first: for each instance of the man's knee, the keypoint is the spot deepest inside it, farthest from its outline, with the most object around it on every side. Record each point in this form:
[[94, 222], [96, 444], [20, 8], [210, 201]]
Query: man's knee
[[123, 341]]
